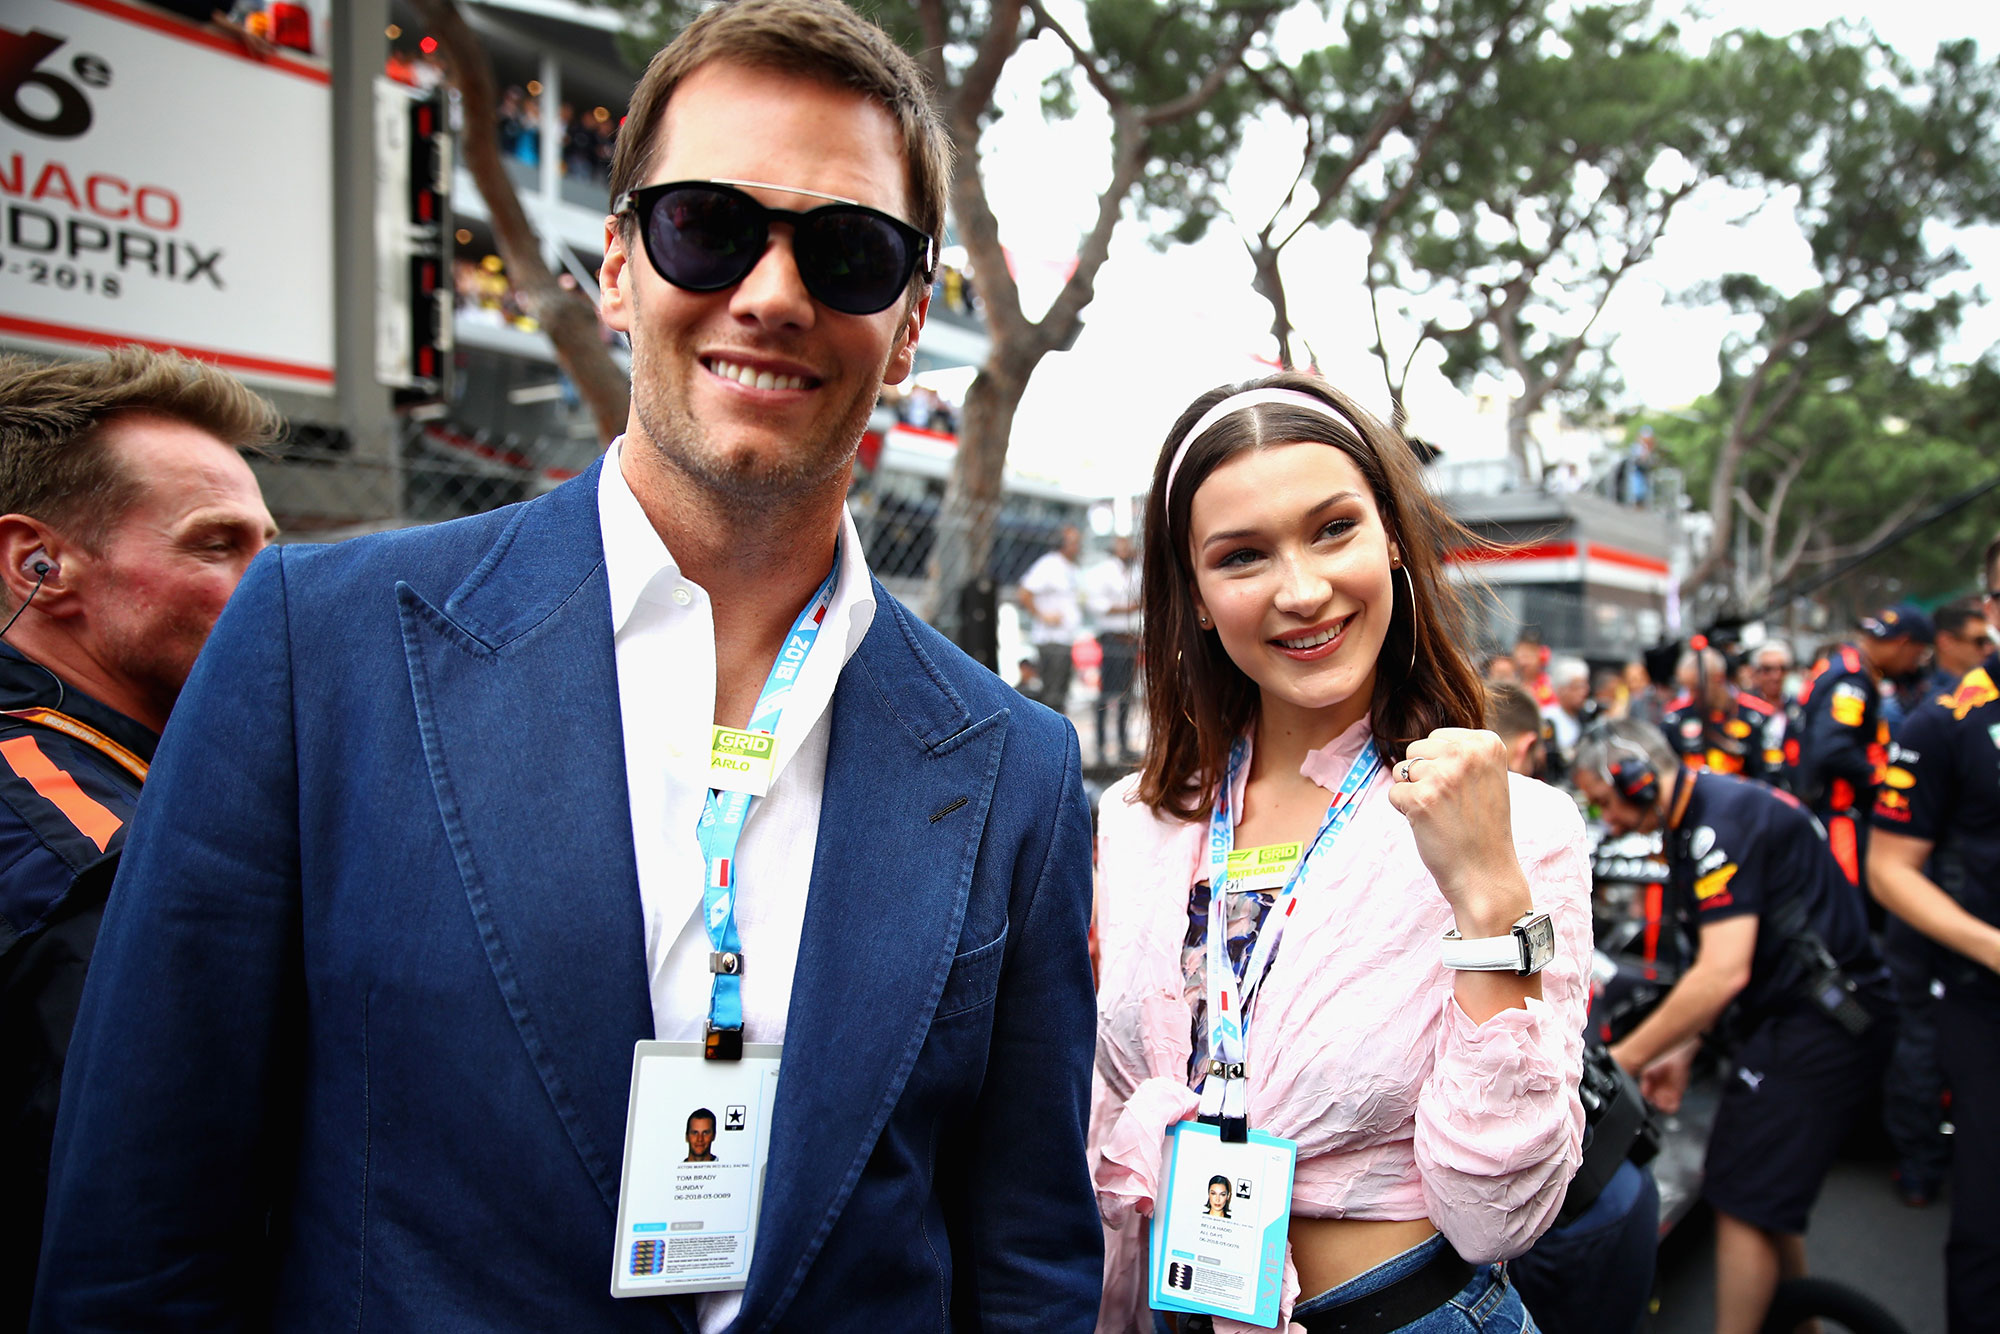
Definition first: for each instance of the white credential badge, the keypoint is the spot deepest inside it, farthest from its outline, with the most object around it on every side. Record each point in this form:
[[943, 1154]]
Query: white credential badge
[[697, 1136], [1220, 1228]]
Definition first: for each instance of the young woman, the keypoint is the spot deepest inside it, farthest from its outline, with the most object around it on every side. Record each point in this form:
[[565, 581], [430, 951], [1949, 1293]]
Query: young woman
[[1303, 663]]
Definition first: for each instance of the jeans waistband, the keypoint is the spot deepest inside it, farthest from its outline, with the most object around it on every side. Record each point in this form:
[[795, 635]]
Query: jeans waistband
[[1398, 1266]]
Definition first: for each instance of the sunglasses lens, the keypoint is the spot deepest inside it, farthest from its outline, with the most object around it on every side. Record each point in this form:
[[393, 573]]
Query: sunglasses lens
[[704, 239], [853, 261]]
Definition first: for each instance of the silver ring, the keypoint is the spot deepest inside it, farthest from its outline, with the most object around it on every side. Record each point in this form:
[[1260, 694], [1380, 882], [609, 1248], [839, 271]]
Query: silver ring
[[1403, 771]]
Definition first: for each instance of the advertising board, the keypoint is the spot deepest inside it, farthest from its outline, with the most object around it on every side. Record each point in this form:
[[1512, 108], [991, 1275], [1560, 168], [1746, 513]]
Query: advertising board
[[161, 185]]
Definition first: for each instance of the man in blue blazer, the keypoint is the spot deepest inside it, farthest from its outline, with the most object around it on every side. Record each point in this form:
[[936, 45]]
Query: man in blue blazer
[[417, 865]]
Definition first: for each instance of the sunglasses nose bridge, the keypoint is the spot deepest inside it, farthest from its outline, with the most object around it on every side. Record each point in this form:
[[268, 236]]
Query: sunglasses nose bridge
[[773, 288]]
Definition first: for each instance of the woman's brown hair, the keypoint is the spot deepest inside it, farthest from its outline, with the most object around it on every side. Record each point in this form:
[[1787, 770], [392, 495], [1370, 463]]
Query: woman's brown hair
[[1197, 700]]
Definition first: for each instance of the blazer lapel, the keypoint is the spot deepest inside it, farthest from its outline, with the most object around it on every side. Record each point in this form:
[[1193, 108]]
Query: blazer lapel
[[516, 694], [883, 914]]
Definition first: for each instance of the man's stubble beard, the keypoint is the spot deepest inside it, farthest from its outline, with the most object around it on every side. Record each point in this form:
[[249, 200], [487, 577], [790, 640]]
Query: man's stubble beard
[[740, 483]]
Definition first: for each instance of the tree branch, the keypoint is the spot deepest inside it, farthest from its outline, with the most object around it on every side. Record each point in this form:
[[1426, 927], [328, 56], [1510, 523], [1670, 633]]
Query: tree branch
[[1254, 22], [996, 48], [1085, 61]]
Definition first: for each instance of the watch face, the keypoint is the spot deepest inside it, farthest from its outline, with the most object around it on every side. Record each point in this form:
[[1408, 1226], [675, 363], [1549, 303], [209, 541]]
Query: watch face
[[1538, 941]]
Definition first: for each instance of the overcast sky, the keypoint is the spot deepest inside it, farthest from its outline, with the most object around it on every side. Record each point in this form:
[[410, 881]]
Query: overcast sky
[[1165, 327]]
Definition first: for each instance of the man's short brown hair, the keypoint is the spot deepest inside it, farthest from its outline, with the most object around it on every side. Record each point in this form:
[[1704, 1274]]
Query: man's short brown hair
[[52, 420], [814, 39], [1511, 711]]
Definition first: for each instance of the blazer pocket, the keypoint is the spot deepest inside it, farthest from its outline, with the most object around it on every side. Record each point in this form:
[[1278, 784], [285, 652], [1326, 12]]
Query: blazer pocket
[[974, 979]]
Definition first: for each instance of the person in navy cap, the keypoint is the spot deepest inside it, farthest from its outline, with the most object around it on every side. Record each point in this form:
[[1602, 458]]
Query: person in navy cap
[[1842, 747]]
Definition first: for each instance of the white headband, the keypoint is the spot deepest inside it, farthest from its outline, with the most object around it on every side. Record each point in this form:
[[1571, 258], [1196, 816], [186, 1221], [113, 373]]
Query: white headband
[[1249, 398]]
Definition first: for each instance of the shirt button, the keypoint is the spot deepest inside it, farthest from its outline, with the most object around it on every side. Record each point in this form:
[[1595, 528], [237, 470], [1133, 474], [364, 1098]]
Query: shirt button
[[682, 596]]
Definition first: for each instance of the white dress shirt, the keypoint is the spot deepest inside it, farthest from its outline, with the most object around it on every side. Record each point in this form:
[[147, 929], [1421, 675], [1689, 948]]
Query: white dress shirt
[[663, 629]]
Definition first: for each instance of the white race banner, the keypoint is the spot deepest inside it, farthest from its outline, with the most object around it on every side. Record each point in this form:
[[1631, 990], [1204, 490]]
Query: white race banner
[[161, 185]]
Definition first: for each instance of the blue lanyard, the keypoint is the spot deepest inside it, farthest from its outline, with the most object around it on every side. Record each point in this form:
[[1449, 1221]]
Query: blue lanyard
[[722, 818], [1223, 1091]]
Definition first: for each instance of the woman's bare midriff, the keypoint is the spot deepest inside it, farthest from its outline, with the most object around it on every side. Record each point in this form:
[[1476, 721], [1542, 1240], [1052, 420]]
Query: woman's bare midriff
[[1329, 1251]]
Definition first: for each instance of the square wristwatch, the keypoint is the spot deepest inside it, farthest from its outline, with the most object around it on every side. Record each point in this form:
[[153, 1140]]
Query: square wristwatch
[[1526, 949]]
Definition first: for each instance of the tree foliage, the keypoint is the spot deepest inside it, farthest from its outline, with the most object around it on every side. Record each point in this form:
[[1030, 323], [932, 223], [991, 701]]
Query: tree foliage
[[1547, 190], [1867, 444], [1882, 160], [1369, 110]]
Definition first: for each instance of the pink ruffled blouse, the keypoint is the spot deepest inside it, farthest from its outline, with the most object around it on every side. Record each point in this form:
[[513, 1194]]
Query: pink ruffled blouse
[[1402, 1107]]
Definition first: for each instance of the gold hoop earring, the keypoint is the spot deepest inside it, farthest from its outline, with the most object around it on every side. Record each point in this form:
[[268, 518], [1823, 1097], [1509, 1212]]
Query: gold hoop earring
[[1192, 726], [1410, 584]]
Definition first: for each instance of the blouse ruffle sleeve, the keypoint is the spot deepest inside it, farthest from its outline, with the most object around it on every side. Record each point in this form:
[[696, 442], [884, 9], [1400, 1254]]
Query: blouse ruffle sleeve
[[1499, 1127]]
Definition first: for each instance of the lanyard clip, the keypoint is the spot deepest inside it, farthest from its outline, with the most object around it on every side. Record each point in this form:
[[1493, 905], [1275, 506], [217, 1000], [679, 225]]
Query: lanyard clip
[[1231, 1129], [721, 1044], [1226, 1096], [725, 961]]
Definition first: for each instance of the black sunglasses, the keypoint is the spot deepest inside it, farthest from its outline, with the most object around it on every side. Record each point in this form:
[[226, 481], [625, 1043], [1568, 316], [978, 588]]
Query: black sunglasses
[[707, 235]]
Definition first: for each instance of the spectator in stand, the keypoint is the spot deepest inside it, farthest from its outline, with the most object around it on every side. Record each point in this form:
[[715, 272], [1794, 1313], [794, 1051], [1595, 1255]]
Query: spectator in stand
[[1500, 668], [579, 144], [1635, 474], [528, 144], [1052, 595], [512, 108], [1113, 592], [1531, 660]]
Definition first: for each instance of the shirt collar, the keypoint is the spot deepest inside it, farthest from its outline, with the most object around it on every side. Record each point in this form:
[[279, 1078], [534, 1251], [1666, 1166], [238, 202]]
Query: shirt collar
[[1326, 766], [638, 567], [25, 684]]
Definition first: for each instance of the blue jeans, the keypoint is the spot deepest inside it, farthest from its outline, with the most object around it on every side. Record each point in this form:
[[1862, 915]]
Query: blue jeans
[[1595, 1275], [1486, 1305]]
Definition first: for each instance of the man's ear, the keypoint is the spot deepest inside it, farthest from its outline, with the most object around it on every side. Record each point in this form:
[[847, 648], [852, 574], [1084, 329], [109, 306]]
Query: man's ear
[[903, 357], [615, 301], [26, 543], [1520, 751]]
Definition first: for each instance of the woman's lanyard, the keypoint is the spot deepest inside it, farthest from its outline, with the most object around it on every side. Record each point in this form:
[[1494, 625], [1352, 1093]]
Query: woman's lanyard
[[723, 814], [1224, 1093]]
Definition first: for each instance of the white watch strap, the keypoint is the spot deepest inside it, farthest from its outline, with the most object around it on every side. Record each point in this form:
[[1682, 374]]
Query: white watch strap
[[1485, 954]]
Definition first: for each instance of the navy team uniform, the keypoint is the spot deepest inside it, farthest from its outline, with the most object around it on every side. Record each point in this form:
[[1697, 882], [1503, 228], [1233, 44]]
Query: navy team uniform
[[1842, 750], [70, 770], [1943, 786], [1799, 1076], [1747, 740]]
